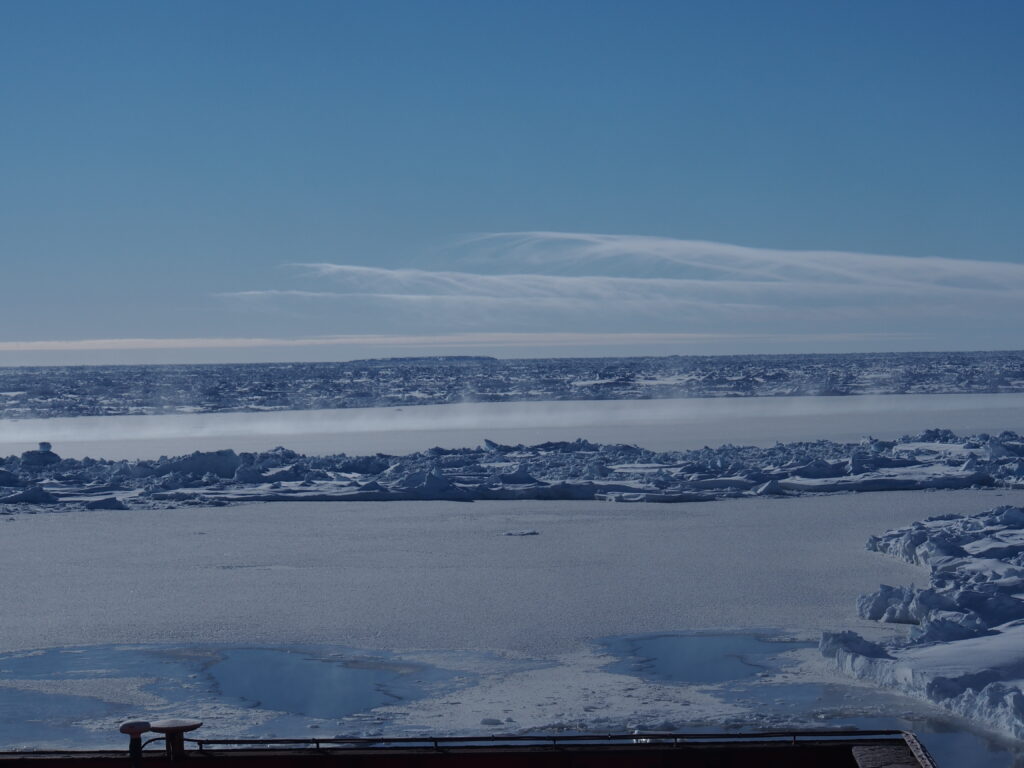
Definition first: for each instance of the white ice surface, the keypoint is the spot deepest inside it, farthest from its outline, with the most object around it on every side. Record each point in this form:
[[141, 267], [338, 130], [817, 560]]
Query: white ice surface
[[575, 689], [967, 650], [442, 575], [655, 424]]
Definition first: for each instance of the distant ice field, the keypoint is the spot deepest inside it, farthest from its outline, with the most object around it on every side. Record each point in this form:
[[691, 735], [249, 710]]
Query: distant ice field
[[655, 424], [444, 576]]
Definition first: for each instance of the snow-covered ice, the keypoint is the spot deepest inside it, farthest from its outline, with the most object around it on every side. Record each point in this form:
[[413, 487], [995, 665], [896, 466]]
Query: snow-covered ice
[[576, 470], [517, 620], [30, 392], [512, 594], [966, 647], [442, 575]]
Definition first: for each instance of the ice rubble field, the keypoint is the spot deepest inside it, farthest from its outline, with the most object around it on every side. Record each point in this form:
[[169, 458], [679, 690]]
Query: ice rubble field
[[578, 470], [39, 392]]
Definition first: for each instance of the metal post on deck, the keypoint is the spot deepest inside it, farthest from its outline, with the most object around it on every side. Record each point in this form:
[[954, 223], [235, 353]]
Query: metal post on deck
[[134, 729], [174, 730]]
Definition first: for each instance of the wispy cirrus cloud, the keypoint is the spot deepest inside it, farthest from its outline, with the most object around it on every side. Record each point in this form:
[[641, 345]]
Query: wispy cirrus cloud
[[573, 293], [513, 290], [721, 262], [613, 283]]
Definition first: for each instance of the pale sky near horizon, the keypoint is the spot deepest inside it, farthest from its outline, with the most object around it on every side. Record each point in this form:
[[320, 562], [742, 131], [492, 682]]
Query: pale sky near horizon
[[245, 180]]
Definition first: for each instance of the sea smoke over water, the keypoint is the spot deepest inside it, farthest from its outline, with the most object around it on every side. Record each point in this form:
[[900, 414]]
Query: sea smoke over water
[[654, 424]]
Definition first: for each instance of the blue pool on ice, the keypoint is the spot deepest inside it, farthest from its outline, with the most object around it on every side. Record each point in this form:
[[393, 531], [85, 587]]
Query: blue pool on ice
[[733, 663], [315, 685], [694, 659]]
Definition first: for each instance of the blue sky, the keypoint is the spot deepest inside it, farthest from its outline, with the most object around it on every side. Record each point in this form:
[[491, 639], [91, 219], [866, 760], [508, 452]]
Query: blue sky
[[212, 180]]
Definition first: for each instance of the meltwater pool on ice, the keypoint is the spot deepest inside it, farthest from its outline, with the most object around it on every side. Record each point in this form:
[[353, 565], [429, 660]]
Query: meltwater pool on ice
[[739, 668], [74, 697]]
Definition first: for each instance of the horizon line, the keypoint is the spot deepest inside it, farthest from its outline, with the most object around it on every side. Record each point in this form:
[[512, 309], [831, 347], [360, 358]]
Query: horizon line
[[501, 339]]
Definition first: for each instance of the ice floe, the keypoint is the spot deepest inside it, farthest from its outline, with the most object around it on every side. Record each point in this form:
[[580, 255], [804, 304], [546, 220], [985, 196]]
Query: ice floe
[[965, 649]]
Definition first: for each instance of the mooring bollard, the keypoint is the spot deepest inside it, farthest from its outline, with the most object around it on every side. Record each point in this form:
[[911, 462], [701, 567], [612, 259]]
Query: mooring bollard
[[134, 729], [174, 730]]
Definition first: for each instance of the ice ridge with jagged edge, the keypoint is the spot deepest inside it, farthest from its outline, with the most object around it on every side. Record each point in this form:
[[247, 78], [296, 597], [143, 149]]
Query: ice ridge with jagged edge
[[965, 651], [578, 470]]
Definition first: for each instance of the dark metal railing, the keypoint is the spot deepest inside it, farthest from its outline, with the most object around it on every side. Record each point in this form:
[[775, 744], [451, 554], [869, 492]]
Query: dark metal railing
[[440, 742]]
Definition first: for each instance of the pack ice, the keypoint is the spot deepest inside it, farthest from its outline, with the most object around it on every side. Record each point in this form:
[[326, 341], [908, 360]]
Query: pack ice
[[49, 391], [556, 470], [965, 650]]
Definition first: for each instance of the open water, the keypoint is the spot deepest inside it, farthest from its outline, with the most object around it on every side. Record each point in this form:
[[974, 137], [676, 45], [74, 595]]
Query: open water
[[656, 424]]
